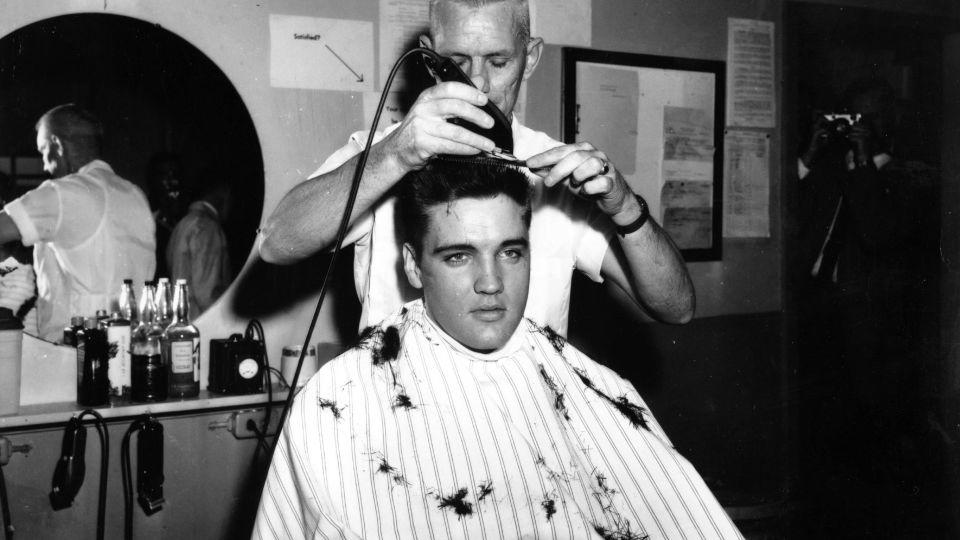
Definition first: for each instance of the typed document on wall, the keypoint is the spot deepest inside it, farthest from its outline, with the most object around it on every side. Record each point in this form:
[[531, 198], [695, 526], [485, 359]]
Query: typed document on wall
[[751, 81]]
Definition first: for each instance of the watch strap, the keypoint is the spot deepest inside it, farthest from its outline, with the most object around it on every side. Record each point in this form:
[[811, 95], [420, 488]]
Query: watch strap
[[624, 230]]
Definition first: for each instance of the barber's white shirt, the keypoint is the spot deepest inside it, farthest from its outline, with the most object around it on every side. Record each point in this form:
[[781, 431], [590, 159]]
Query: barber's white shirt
[[565, 233], [89, 231]]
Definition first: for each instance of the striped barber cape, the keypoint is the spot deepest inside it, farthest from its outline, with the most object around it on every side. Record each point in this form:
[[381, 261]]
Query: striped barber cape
[[410, 435]]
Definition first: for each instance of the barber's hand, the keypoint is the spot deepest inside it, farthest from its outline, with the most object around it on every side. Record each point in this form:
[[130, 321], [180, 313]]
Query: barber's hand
[[819, 140], [861, 140], [587, 172], [425, 131], [17, 287]]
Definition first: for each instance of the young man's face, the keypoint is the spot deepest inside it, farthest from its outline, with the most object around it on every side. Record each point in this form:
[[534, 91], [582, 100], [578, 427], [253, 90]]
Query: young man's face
[[483, 42], [474, 269]]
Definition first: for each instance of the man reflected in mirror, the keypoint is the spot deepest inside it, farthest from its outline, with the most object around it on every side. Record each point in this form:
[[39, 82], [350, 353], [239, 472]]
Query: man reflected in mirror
[[197, 249], [90, 229]]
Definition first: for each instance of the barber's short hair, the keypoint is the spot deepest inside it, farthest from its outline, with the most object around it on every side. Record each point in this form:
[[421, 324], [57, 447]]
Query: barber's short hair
[[442, 182], [74, 125], [521, 9]]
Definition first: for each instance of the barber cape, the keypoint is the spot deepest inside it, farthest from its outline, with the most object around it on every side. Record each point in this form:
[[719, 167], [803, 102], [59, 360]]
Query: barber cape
[[411, 435]]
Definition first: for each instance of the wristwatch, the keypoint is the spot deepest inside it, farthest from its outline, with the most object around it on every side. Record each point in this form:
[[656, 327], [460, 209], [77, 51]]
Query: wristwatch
[[624, 230]]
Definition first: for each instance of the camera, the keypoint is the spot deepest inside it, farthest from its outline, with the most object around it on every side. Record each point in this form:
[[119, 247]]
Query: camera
[[840, 123]]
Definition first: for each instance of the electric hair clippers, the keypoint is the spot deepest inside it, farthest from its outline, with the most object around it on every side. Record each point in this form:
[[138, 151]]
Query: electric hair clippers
[[68, 474], [446, 70]]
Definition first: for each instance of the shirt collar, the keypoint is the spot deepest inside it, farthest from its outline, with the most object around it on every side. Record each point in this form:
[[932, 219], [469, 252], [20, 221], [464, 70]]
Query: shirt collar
[[418, 313], [95, 164]]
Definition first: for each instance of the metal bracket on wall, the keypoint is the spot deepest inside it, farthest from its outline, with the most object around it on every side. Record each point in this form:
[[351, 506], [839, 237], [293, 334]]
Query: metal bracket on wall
[[7, 449]]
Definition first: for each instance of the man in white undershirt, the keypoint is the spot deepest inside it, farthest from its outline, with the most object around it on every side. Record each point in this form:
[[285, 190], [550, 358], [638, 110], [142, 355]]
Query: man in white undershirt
[[457, 417], [490, 41]]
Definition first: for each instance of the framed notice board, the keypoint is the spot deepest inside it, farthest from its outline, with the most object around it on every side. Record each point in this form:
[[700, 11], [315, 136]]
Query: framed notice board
[[660, 120]]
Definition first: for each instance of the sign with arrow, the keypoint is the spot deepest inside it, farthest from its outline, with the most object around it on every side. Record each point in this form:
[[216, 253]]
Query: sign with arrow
[[322, 54]]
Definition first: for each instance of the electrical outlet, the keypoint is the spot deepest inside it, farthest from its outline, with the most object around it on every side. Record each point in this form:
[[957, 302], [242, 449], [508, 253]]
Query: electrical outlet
[[240, 419], [7, 448]]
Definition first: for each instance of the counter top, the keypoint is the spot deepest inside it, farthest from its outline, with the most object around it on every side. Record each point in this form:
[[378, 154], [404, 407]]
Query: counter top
[[46, 414]]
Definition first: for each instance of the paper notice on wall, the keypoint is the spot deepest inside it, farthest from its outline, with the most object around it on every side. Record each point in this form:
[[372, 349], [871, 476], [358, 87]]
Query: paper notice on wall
[[751, 81], [402, 22], [393, 109], [561, 22], [609, 98], [686, 198], [322, 54], [746, 184]]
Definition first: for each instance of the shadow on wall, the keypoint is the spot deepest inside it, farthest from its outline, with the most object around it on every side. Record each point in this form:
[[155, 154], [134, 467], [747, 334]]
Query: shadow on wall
[[270, 289]]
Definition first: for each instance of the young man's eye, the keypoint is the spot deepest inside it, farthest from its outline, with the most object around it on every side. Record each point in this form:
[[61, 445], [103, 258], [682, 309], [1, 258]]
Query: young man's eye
[[499, 63], [456, 258], [512, 254]]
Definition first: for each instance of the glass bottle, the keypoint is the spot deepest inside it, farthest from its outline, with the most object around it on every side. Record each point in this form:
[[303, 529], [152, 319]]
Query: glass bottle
[[181, 348], [118, 351], [70, 331], [93, 385], [149, 377], [127, 303], [163, 303]]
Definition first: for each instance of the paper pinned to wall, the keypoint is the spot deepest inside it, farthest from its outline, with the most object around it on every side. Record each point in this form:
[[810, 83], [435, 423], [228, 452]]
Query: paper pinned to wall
[[562, 22], [686, 198], [609, 98], [401, 24], [321, 54], [393, 111], [751, 82], [746, 189]]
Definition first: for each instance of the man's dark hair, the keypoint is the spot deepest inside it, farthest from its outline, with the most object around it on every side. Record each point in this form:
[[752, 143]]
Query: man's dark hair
[[442, 182], [78, 128]]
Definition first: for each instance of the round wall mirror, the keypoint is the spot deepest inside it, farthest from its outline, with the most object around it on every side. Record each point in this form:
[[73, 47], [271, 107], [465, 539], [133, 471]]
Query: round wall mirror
[[173, 123]]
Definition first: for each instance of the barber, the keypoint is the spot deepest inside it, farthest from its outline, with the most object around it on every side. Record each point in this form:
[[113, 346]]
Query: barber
[[584, 212], [90, 229]]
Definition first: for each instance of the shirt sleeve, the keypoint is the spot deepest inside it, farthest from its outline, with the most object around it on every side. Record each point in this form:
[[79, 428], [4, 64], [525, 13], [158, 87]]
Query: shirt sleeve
[[67, 211], [196, 252], [592, 234]]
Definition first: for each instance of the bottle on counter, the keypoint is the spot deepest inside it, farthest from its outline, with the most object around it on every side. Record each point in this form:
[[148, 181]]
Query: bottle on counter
[[93, 383], [164, 303], [118, 347], [149, 377], [70, 331], [181, 348], [11, 344], [127, 303]]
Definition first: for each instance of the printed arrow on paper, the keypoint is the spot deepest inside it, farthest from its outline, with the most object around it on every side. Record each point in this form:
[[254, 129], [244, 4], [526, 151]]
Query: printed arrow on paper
[[355, 74]]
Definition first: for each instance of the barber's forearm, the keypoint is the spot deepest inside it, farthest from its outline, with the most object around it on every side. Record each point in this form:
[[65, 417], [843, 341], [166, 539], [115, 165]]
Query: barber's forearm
[[656, 274], [307, 218]]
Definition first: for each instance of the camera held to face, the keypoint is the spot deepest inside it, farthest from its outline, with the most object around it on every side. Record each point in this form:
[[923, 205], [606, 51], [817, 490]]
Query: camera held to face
[[840, 123]]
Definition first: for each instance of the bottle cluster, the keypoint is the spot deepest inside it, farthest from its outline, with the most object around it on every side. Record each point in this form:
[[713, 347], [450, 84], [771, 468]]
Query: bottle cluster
[[146, 351]]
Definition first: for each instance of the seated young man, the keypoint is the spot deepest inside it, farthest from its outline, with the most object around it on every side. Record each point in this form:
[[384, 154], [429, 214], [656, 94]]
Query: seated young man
[[458, 418]]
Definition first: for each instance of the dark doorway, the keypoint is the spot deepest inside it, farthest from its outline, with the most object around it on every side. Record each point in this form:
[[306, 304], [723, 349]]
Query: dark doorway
[[871, 458]]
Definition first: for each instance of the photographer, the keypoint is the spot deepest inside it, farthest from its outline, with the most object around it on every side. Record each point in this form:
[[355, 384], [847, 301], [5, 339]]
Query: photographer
[[867, 253]]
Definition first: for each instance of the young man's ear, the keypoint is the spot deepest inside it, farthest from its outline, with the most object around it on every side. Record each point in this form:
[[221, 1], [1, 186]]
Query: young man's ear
[[410, 266]]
